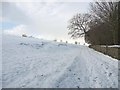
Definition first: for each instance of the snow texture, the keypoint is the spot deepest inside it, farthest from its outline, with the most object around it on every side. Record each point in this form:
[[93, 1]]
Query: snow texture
[[117, 46], [35, 63]]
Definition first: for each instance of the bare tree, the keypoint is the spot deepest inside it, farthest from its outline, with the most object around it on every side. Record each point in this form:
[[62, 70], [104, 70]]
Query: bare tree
[[78, 25], [107, 12]]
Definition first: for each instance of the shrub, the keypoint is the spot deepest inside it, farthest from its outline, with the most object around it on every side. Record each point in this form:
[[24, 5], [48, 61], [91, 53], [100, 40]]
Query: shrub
[[24, 35], [55, 40], [75, 42]]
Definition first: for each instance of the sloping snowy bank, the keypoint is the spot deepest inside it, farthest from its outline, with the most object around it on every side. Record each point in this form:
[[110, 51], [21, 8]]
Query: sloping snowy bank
[[35, 63]]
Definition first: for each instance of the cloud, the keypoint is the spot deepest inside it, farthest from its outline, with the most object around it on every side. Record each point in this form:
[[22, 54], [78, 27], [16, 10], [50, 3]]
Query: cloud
[[47, 20], [11, 13], [18, 30]]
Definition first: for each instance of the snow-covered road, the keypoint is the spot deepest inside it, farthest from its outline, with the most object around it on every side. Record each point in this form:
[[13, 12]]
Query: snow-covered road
[[34, 63]]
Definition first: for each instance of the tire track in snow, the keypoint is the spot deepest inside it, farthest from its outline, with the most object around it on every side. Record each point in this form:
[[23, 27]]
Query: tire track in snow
[[107, 78], [75, 76], [90, 73]]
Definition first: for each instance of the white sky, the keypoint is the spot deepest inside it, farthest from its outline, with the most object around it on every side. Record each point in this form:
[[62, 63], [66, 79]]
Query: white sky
[[47, 20]]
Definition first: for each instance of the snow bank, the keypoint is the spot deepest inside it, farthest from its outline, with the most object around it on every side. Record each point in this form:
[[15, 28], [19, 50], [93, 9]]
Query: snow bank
[[35, 63], [111, 46]]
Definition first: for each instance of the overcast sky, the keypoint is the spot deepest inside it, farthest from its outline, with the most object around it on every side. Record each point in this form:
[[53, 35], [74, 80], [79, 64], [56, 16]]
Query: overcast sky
[[47, 20]]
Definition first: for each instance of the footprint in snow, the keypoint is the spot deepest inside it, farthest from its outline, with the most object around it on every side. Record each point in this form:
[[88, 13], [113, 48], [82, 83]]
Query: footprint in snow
[[96, 77], [106, 67], [42, 75], [94, 80], [57, 86], [105, 72], [119, 69], [78, 78], [110, 74], [24, 44]]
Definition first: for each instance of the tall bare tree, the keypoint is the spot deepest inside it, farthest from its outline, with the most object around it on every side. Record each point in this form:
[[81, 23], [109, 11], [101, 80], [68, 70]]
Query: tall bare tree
[[78, 25], [107, 12]]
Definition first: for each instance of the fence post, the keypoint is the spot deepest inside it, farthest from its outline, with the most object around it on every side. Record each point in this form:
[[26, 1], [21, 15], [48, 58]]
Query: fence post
[[106, 49]]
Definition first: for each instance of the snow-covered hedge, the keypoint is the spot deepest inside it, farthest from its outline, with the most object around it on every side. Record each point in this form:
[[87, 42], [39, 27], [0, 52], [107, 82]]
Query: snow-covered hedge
[[111, 51]]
